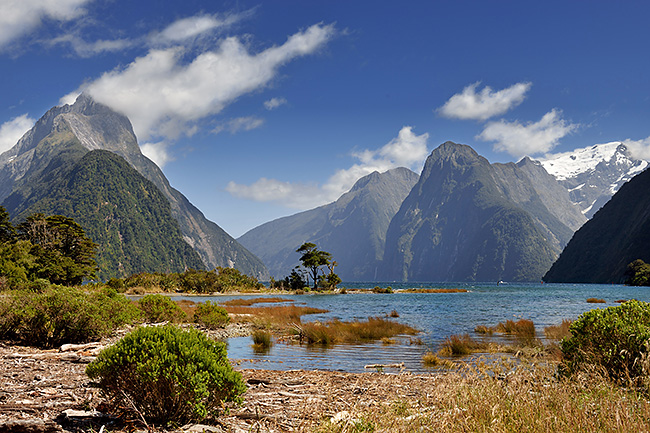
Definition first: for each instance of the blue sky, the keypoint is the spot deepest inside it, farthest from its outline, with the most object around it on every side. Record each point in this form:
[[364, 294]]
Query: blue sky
[[256, 110]]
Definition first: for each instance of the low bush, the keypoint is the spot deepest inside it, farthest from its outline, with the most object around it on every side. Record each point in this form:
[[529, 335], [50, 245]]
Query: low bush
[[211, 315], [596, 301], [615, 339], [167, 374], [60, 315], [159, 308], [382, 290]]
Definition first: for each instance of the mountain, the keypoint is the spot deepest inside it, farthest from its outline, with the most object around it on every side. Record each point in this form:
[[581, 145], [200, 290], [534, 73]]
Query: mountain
[[353, 228], [95, 126], [616, 235], [593, 174], [469, 220]]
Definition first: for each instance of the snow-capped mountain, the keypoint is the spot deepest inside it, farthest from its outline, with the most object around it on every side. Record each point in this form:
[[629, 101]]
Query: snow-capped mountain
[[593, 174]]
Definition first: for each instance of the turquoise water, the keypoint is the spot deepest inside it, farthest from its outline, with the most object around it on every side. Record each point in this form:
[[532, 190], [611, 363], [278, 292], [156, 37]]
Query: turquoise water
[[436, 315]]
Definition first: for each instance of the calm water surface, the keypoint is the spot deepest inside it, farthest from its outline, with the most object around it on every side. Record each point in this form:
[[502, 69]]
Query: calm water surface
[[436, 315]]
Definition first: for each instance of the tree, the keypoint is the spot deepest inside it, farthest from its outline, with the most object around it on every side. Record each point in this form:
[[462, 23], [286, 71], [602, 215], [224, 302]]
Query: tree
[[64, 254], [313, 260], [7, 231], [637, 273]]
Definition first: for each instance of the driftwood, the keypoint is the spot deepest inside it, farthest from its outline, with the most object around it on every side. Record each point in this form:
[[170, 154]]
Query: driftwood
[[382, 366], [30, 426]]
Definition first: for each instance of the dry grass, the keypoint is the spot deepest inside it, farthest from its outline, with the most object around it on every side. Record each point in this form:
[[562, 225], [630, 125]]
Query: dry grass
[[527, 399], [558, 332], [243, 302], [596, 301], [279, 317], [482, 329], [461, 345], [336, 331], [433, 291]]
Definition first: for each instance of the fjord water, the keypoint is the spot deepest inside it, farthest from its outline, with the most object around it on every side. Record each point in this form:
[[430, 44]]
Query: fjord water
[[436, 315]]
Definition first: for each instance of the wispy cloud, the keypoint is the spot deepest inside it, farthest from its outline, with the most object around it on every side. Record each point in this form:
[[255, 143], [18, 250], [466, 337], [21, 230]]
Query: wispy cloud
[[639, 148], [274, 103], [194, 27], [473, 105], [406, 150], [11, 131], [20, 17], [530, 138], [233, 126], [164, 96]]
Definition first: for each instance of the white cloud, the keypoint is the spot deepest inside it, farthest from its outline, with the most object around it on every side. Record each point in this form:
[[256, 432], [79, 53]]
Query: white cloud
[[274, 103], [528, 139], [89, 49], [406, 150], [233, 126], [192, 27], [13, 130], [20, 17], [162, 96], [639, 148], [485, 104], [157, 152]]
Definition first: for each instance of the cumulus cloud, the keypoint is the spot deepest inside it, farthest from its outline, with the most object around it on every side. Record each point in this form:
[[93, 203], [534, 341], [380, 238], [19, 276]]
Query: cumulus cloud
[[13, 130], [157, 152], [485, 104], [639, 148], [163, 95], [20, 17], [406, 150], [233, 126], [530, 138], [274, 103]]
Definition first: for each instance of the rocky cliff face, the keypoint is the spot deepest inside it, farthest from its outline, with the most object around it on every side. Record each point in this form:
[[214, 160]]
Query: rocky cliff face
[[616, 235], [469, 220], [95, 126], [353, 228]]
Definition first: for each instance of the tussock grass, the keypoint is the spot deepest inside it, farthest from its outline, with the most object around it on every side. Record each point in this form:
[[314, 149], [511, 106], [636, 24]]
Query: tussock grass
[[278, 317], [243, 302], [386, 290], [336, 331], [527, 399], [261, 340], [461, 345], [430, 359], [558, 332], [482, 329], [596, 301]]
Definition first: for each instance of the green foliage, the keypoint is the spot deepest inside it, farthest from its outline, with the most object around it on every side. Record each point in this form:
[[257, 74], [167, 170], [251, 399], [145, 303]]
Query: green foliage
[[211, 315], [294, 281], [7, 230], [169, 375], [313, 260], [59, 315], [192, 281], [615, 339], [159, 308], [637, 273]]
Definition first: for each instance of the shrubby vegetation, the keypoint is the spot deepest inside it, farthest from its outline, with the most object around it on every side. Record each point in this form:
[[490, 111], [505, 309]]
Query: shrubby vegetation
[[169, 375], [58, 315], [314, 262], [211, 315], [614, 339], [191, 281], [159, 308], [637, 273]]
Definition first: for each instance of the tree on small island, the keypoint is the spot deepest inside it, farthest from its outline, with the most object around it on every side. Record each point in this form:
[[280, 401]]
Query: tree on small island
[[314, 260]]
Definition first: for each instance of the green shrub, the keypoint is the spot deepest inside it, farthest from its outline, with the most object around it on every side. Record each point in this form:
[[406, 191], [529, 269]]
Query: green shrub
[[211, 315], [159, 308], [59, 315], [615, 339], [168, 374]]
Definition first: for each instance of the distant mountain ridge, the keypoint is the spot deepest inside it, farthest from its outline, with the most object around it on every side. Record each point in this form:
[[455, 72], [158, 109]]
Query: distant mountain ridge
[[469, 220], [593, 174], [96, 126], [616, 235], [353, 228]]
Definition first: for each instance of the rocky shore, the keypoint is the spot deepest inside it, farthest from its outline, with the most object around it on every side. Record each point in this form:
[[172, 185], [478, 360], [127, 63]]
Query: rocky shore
[[48, 391]]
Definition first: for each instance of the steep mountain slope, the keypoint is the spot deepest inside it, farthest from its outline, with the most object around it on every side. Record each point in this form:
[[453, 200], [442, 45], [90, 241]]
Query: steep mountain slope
[[593, 174], [618, 234], [353, 228], [95, 126], [468, 220], [124, 213]]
